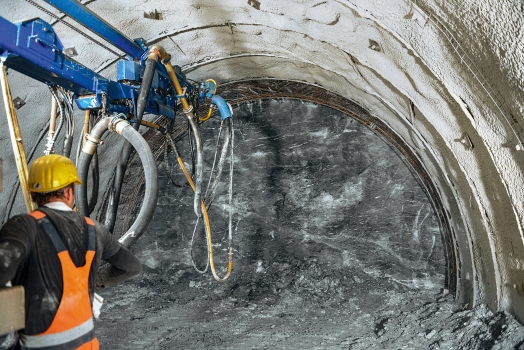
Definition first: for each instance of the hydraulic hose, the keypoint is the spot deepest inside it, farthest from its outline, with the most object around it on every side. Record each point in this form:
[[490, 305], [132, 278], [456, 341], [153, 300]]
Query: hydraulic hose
[[188, 111], [118, 179], [226, 114], [208, 197], [199, 166], [52, 124], [92, 140], [94, 162], [68, 144], [208, 232], [95, 173], [123, 128]]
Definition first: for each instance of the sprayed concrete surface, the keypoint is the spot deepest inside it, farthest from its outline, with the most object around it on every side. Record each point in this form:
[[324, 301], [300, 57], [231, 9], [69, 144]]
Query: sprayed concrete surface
[[336, 247]]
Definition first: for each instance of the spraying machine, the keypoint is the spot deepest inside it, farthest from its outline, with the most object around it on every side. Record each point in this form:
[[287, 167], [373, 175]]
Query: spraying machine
[[146, 82]]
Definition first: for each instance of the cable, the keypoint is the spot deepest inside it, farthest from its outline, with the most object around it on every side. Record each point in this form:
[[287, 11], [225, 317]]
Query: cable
[[67, 102], [53, 137], [206, 221]]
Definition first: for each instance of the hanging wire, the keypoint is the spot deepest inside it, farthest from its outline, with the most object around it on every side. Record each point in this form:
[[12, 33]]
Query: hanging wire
[[205, 207], [230, 189], [191, 245], [211, 188], [67, 102], [53, 134]]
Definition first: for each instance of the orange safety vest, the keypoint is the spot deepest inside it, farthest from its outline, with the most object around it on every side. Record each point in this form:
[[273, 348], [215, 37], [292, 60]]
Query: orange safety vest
[[72, 326]]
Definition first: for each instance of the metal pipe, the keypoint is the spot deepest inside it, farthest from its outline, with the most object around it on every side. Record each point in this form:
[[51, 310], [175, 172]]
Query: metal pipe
[[118, 179], [16, 140], [93, 22]]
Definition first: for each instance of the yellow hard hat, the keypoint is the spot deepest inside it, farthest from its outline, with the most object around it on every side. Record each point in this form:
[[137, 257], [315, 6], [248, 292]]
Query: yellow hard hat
[[52, 172]]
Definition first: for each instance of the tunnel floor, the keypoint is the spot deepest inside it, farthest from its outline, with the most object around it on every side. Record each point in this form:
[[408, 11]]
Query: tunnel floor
[[336, 247]]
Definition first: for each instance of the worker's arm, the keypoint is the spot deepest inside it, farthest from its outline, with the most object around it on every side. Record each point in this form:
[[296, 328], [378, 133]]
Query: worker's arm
[[11, 256], [120, 267], [14, 245]]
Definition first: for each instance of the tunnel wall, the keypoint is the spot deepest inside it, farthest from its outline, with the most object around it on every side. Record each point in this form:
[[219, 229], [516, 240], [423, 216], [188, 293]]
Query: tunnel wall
[[444, 76]]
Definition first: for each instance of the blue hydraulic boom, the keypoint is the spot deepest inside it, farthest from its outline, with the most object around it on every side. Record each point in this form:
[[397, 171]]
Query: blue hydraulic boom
[[33, 48]]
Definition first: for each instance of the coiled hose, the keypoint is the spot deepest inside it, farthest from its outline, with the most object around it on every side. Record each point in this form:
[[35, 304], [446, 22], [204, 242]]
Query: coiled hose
[[143, 150]]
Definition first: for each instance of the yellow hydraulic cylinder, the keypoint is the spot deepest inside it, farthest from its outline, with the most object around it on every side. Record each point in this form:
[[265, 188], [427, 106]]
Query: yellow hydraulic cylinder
[[16, 140]]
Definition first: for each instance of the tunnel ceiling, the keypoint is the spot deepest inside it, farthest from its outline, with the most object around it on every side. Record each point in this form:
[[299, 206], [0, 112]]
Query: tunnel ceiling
[[444, 76]]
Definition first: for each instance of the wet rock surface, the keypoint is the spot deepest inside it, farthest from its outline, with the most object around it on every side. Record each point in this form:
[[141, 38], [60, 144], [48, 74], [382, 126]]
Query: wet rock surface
[[336, 246]]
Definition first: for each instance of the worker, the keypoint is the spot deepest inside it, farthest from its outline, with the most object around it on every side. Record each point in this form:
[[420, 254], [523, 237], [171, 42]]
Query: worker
[[55, 253]]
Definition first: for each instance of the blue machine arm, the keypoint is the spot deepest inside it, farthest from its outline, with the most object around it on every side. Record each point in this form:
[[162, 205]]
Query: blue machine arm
[[33, 48], [89, 19]]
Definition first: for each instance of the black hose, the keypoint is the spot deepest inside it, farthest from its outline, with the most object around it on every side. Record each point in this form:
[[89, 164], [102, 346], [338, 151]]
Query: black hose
[[84, 160], [95, 174], [151, 192], [150, 169], [118, 179]]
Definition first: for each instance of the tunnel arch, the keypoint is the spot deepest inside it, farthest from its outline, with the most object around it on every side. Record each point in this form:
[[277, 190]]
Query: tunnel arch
[[419, 67]]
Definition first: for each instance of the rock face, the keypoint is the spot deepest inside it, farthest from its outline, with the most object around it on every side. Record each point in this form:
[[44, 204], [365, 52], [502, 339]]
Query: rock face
[[336, 246]]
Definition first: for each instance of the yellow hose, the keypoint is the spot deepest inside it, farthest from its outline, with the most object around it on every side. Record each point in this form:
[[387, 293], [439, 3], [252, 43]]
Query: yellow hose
[[208, 231], [162, 54], [208, 114]]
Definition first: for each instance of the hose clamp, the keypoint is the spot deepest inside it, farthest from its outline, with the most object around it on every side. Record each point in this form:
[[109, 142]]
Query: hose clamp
[[117, 124], [189, 110], [166, 60], [91, 144]]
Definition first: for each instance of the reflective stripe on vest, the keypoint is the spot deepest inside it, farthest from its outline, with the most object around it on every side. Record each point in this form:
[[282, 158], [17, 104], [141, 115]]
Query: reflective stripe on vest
[[48, 340], [72, 326]]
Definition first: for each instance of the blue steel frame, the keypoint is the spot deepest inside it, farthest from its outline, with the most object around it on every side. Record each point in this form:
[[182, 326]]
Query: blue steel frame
[[33, 48], [89, 19]]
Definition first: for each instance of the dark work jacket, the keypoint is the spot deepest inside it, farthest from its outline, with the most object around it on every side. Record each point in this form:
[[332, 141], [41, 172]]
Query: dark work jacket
[[28, 258]]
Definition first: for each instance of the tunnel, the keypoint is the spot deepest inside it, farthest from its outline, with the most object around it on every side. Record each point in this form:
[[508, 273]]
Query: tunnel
[[344, 98]]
